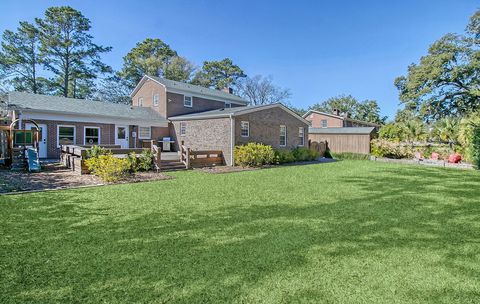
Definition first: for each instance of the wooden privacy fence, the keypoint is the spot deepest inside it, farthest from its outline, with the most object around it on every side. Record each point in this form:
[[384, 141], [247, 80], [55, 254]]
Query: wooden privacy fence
[[200, 158], [320, 147]]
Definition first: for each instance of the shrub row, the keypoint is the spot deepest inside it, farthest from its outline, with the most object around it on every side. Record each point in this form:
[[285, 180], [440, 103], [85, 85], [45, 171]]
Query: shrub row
[[257, 155], [350, 156]]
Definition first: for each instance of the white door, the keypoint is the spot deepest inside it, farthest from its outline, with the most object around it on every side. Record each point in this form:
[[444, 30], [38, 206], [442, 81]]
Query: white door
[[42, 138], [121, 136]]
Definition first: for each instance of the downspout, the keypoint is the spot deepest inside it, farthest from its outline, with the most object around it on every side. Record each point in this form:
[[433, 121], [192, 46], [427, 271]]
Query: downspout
[[232, 139]]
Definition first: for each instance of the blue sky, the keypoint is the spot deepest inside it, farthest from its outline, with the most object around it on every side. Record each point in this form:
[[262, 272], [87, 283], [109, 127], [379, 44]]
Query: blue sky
[[317, 49]]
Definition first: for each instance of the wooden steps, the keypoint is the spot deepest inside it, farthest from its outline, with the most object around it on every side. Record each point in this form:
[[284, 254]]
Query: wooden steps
[[172, 165]]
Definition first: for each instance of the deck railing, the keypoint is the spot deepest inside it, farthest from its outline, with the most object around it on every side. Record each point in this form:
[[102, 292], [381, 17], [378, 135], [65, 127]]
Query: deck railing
[[200, 158], [157, 155]]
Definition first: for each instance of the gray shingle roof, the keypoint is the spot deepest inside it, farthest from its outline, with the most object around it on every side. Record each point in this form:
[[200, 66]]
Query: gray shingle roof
[[233, 112], [346, 130], [57, 104], [181, 86]]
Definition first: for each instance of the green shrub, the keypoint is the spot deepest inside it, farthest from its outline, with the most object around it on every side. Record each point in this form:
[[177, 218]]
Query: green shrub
[[328, 154], [96, 151], [145, 161], [383, 148], [351, 156], [476, 147], [253, 155], [305, 154], [283, 156], [132, 162], [108, 167]]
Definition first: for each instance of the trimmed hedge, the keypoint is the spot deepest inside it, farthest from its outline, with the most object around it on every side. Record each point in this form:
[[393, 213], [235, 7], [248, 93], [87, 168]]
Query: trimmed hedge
[[351, 156], [476, 147], [253, 155]]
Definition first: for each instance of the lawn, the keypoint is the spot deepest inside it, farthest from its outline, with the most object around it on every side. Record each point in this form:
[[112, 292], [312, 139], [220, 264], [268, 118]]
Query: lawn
[[345, 232]]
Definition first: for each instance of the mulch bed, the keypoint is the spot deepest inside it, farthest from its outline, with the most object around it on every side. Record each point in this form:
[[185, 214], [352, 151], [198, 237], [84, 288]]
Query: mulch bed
[[55, 176]]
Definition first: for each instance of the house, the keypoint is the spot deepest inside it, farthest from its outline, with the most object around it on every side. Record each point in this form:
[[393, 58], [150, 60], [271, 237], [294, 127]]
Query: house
[[342, 133], [320, 119], [205, 119]]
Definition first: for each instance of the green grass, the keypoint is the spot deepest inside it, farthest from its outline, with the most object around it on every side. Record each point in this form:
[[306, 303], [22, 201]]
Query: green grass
[[345, 232]]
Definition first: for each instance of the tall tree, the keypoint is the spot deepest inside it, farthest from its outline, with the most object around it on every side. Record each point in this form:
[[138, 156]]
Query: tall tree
[[367, 110], [150, 57], [177, 68], [218, 74], [260, 90], [67, 50], [113, 89], [19, 58], [446, 81]]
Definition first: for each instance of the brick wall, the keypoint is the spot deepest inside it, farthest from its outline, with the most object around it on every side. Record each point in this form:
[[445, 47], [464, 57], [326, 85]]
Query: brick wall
[[265, 128], [332, 122], [175, 105], [208, 134], [147, 91], [107, 134]]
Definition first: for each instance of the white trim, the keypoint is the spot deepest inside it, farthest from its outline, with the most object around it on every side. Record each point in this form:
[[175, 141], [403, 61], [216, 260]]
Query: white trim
[[302, 129], [91, 127], [74, 133], [326, 123], [158, 100], [241, 112], [322, 113], [140, 104], [149, 133], [55, 116], [279, 143], [229, 105], [141, 82], [191, 101], [248, 128], [205, 94]]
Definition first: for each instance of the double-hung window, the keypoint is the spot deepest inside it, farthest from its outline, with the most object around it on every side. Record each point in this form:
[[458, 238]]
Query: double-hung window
[[301, 136], [155, 100], [324, 123], [91, 136], [187, 101], [283, 136], [140, 101], [65, 135], [183, 128], [144, 132], [244, 129]]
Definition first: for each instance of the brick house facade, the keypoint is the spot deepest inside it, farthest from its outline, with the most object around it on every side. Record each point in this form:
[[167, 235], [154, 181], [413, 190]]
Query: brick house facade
[[319, 119], [159, 109]]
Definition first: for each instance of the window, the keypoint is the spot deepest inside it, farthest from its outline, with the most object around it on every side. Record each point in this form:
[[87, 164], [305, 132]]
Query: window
[[324, 123], [187, 101], [228, 105], [144, 132], [283, 136], [301, 136], [183, 128], [91, 136], [140, 102], [244, 129], [155, 100], [65, 135]]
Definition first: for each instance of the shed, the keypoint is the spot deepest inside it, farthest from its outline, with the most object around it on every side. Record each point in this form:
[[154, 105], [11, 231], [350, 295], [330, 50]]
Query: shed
[[354, 140]]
